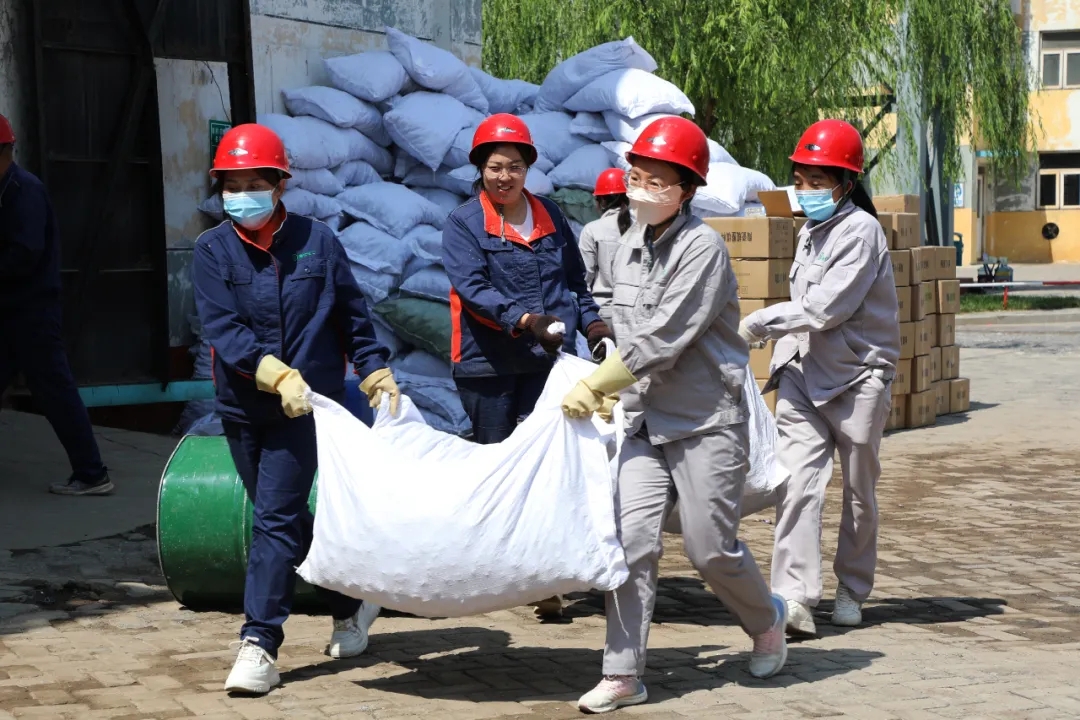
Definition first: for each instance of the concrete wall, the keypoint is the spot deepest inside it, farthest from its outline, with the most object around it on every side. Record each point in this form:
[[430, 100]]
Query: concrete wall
[[17, 79], [190, 94], [291, 38]]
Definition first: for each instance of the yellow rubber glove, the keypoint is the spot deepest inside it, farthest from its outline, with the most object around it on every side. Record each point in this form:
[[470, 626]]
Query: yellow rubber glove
[[588, 395], [606, 411], [377, 383], [274, 376]]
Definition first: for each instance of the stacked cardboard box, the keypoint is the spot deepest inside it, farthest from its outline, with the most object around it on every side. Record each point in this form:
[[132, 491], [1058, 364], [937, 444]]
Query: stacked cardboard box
[[927, 382], [761, 250]]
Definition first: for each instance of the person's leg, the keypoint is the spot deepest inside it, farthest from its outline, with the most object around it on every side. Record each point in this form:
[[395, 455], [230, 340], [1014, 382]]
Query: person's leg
[[858, 421], [528, 390], [642, 500], [805, 448], [491, 404], [709, 472], [40, 354]]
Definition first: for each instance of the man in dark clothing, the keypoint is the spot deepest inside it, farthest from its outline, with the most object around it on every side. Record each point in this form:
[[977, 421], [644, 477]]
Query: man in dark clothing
[[30, 340]]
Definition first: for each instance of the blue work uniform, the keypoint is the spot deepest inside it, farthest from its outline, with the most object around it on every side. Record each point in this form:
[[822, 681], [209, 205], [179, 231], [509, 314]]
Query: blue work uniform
[[296, 300], [497, 276], [30, 317]]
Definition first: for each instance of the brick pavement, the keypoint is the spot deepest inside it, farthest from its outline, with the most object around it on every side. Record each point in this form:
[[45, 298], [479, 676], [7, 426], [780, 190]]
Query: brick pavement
[[975, 615]]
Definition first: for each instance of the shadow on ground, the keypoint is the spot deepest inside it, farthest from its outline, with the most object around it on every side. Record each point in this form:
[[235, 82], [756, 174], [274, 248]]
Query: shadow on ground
[[480, 665]]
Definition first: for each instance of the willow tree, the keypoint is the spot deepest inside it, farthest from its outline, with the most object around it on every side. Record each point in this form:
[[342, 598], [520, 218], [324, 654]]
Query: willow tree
[[760, 71]]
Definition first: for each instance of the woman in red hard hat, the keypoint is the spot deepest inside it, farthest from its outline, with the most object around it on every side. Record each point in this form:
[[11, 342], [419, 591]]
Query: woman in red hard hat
[[679, 371], [282, 312], [838, 344], [599, 238]]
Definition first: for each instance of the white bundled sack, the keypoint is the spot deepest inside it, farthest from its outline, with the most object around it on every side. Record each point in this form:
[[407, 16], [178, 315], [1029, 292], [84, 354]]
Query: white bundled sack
[[591, 126], [581, 169], [443, 178], [551, 134], [504, 96], [445, 199], [392, 208], [632, 93], [573, 74], [371, 248], [728, 188], [717, 154], [310, 143], [372, 76], [320, 182], [464, 529], [617, 152], [356, 172], [363, 148], [628, 130], [766, 474], [308, 204], [337, 107], [458, 154], [425, 125], [538, 183], [436, 69]]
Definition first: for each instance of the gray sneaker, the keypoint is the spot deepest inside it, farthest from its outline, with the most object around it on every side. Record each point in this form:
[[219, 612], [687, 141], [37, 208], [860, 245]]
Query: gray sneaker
[[78, 486]]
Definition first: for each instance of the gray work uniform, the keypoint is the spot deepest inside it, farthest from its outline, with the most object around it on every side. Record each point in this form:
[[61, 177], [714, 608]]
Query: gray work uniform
[[676, 315], [839, 341], [598, 242]]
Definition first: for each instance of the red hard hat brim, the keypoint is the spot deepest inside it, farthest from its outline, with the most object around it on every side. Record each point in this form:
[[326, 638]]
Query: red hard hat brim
[[216, 172], [528, 152], [701, 181], [806, 157]]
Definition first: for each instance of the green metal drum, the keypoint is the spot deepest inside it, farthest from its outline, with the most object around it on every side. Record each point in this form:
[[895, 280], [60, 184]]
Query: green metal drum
[[204, 528]]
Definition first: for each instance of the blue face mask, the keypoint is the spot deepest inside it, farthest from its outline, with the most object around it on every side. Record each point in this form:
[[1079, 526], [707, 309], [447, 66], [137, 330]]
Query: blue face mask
[[250, 210], [817, 204]]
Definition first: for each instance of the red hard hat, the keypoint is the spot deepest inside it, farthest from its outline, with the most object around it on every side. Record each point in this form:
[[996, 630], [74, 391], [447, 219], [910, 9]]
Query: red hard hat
[[250, 147], [7, 135], [611, 182], [503, 128], [677, 141], [831, 143]]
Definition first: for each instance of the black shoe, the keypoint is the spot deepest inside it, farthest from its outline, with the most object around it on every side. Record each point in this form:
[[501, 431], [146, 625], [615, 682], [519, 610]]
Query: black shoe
[[76, 486]]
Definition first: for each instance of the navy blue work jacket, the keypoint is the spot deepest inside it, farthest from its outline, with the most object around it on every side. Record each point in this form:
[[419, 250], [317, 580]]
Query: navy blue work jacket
[[29, 242]]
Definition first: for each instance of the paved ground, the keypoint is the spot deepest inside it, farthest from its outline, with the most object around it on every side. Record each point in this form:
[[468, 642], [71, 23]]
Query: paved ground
[[976, 613]]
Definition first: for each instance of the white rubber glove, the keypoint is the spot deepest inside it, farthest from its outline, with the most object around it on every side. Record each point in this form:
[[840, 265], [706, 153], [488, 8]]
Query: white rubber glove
[[754, 341]]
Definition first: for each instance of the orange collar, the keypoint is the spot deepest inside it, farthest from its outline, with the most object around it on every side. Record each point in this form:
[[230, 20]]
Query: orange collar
[[264, 236], [493, 222]]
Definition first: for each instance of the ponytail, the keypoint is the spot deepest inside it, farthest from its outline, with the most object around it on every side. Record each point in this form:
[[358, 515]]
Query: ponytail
[[860, 198]]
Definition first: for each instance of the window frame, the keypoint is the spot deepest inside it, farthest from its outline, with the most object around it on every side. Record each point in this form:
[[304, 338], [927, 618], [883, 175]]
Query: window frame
[[1059, 189], [1063, 69]]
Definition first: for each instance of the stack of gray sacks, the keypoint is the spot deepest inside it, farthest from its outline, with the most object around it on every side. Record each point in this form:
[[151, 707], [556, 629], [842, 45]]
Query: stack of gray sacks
[[381, 156]]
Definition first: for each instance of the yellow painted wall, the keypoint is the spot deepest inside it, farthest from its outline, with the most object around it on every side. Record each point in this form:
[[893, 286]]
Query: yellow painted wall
[[964, 223], [1018, 236], [1059, 113]]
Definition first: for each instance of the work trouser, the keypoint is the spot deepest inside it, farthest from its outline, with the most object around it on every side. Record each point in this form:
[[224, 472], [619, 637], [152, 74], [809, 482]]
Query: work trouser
[[851, 425], [497, 403], [31, 343], [706, 473], [277, 464]]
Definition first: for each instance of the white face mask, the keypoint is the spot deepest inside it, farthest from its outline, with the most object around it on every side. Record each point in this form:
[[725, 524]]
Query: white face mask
[[654, 208]]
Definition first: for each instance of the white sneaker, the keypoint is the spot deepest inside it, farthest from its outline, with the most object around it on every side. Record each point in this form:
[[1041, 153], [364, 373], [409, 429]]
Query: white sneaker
[[254, 670], [770, 647], [847, 611], [800, 619], [350, 637], [613, 692]]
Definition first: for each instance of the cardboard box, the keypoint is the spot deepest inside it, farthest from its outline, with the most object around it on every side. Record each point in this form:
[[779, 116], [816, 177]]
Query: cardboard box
[[903, 302], [921, 409], [946, 330], [901, 384], [760, 359], [897, 413], [948, 297], [922, 264], [921, 374], [935, 364], [920, 306], [932, 327], [908, 331], [765, 279], [929, 295], [959, 395], [897, 204], [950, 362], [901, 267], [922, 337], [769, 397], [760, 237], [749, 305], [946, 263], [941, 392], [901, 229]]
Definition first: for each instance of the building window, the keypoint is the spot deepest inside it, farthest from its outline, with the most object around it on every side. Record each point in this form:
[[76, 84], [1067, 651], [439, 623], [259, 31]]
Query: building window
[[1061, 59], [1059, 181]]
